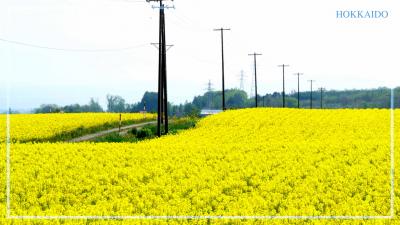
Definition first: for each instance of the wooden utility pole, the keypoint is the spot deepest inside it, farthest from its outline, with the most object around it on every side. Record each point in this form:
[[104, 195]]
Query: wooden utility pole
[[321, 95], [283, 81], [255, 74], [298, 89], [223, 64], [162, 108], [311, 97]]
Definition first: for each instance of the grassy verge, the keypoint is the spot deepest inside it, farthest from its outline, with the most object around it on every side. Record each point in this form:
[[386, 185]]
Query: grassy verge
[[149, 131]]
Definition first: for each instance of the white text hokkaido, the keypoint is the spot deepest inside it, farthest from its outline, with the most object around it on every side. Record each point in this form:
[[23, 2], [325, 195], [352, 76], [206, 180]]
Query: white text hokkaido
[[360, 14]]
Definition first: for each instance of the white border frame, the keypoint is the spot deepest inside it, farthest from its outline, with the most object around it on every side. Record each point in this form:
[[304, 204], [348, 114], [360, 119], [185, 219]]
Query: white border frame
[[392, 192]]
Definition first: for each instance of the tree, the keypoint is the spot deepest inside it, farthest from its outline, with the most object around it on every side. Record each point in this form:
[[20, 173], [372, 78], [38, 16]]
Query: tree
[[236, 98], [48, 108], [74, 108], [191, 110], [115, 103], [94, 106]]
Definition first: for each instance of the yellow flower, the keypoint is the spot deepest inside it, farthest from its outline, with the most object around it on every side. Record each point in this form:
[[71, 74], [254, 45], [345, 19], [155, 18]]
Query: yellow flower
[[251, 162]]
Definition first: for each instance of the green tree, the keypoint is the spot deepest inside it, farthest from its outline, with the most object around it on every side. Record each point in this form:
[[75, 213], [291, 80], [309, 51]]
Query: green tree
[[115, 103]]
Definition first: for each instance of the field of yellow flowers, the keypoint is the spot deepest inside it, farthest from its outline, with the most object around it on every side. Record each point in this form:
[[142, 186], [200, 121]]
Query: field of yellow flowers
[[39, 127], [252, 162]]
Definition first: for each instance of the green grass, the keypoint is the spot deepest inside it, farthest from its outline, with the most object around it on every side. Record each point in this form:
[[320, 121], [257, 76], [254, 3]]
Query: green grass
[[175, 126]]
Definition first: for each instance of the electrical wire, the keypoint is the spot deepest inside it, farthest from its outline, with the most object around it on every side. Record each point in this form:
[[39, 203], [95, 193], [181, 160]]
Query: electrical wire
[[71, 49], [129, 1]]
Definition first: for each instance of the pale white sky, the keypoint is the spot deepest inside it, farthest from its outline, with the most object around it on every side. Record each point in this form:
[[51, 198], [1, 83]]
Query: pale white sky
[[338, 53]]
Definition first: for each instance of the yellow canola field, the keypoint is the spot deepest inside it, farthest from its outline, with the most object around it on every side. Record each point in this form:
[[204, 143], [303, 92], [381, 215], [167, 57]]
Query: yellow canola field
[[252, 162], [27, 127]]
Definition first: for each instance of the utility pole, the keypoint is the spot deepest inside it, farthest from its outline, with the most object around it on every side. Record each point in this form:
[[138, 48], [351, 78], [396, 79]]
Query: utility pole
[[255, 74], [223, 64], [321, 95], [264, 101], [157, 44], [298, 89], [162, 109], [283, 90], [311, 97]]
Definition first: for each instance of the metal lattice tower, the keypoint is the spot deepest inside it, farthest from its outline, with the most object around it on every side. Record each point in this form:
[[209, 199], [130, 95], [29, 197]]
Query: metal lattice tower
[[209, 93], [242, 76]]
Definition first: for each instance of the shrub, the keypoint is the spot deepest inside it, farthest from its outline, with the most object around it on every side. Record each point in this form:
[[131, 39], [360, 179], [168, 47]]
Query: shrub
[[144, 133], [134, 131]]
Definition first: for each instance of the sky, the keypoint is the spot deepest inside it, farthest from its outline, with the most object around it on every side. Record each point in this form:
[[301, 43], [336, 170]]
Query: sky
[[104, 48]]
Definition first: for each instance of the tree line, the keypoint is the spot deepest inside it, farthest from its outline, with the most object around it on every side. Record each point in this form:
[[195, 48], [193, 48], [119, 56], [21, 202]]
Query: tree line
[[368, 98]]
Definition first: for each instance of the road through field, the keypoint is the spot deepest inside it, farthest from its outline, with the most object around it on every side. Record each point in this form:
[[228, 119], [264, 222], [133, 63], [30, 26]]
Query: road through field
[[105, 132]]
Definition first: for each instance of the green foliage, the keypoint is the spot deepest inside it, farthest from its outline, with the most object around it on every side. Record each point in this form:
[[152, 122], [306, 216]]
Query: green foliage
[[115, 103], [150, 131], [92, 106], [144, 133], [116, 138], [212, 100], [182, 124], [369, 98], [134, 131]]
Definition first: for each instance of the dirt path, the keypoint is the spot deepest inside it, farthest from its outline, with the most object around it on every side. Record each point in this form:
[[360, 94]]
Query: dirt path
[[105, 132]]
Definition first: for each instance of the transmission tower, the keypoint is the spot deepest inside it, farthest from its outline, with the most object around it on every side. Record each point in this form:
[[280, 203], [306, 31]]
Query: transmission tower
[[209, 93], [209, 86], [242, 76]]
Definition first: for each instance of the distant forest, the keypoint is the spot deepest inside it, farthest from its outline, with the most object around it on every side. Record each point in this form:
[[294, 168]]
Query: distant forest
[[331, 99]]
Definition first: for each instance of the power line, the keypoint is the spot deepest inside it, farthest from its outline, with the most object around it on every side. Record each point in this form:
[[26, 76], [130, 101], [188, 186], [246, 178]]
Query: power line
[[157, 45], [129, 1], [70, 49], [199, 26]]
